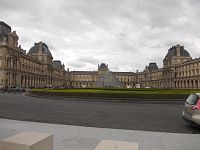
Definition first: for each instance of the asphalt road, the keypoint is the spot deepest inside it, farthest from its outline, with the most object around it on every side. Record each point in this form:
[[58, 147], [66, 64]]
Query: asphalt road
[[134, 116]]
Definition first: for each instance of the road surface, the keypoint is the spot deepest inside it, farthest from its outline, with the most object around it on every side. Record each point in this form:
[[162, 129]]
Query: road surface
[[134, 116]]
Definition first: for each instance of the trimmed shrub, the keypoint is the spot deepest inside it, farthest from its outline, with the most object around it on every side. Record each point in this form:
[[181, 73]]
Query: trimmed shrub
[[116, 93]]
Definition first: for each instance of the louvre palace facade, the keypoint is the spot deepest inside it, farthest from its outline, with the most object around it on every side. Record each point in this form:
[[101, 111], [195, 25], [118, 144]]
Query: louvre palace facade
[[33, 69], [36, 68]]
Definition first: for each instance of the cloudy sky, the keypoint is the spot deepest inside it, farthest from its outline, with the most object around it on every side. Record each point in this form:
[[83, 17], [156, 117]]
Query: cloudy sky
[[125, 34]]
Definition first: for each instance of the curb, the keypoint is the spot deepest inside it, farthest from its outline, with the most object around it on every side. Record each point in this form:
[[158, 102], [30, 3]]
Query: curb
[[111, 100]]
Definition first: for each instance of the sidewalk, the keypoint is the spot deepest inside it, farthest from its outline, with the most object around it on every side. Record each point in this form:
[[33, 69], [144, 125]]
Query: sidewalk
[[68, 137]]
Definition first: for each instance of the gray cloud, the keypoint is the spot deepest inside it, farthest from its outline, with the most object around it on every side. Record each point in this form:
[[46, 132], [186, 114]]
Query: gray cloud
[[88, 59], [125, 34], [77, 65]]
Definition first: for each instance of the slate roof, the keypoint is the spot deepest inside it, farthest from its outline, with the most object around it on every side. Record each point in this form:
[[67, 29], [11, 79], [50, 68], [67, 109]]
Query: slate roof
[[57, 64], [152, 66], [5, 25], [103, 67], [172, 52], [35, 49], [4, 30]]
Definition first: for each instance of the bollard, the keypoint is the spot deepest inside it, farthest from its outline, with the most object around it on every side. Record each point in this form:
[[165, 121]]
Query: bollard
[[117, 145], [28, 141]]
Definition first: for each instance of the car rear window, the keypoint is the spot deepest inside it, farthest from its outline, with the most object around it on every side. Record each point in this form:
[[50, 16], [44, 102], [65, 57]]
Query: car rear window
[[192, 99]]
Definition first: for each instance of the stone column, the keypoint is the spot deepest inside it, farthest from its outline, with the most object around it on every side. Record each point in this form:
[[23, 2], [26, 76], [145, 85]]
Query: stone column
[[195, 83], [22, 81], [12, 65], [183, 83], [190, 84], [8, 78], [11, 79], [34, 81], [172, 84], [31, 78], [27, 83], [18, 79], [186, 83], [37, 82], [42, 82]]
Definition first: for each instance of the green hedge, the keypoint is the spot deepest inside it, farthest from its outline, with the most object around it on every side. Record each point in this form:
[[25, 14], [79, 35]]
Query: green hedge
[[124, 91], [116, 93]]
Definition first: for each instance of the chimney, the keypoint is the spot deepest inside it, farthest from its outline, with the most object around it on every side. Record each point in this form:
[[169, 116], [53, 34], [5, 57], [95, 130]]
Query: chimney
[[40, 47], [178, 50]]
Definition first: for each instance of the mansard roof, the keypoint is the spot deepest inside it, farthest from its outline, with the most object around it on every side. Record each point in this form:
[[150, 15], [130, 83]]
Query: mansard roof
[[152, 66], [57, 64], [4, 30], [35, 48], [103, 66], [172, 52], [5, 25]]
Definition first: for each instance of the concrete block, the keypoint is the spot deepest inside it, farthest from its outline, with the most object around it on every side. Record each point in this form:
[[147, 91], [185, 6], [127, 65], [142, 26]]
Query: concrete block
[[28, 141], [117, 145]]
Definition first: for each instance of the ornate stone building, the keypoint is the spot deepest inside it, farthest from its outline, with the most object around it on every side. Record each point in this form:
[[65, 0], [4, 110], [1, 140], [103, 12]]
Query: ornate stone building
[[103, 77], [179, 71], [33, 69], [37, 69]]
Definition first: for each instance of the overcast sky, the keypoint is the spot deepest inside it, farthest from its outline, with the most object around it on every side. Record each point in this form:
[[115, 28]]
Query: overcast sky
[[125, 34]]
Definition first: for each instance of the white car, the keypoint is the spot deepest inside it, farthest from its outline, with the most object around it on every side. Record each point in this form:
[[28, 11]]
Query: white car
[[191, 112]]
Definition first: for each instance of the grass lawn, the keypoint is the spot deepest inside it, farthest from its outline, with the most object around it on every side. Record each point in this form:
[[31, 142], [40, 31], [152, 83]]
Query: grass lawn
[[119, 93]]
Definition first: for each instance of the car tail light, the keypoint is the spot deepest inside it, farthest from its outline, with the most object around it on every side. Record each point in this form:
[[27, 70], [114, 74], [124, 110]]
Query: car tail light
[[197, 106]]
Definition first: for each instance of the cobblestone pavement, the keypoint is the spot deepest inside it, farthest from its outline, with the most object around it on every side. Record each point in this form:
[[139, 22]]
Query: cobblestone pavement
[[134, 116]]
